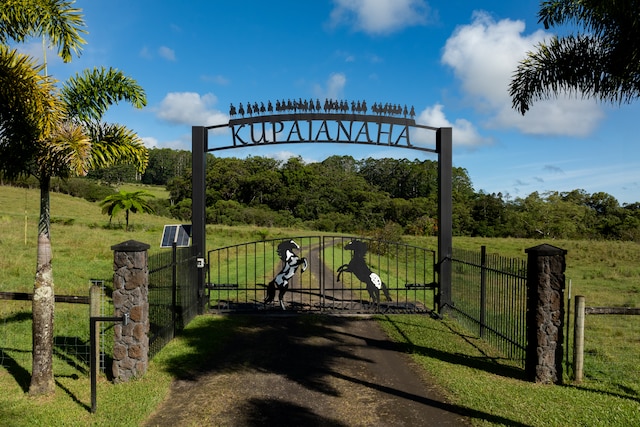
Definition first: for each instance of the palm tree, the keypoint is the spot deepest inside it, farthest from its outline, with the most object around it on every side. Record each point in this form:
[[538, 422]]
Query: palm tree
[[602, 62], [30, 111], [77, 145], [49, 133], [133, 202]]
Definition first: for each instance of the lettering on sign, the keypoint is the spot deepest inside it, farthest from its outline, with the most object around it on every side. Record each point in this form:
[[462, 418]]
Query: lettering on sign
[[304, 121], [277, 130]]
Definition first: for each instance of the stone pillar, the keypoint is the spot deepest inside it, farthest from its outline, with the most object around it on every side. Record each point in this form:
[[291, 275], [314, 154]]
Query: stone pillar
[[545, 313], [130, 296]]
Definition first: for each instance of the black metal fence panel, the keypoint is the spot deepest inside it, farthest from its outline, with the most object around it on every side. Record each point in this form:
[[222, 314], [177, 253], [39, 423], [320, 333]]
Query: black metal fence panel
[[328, 274], [173, 294], [489, 294]]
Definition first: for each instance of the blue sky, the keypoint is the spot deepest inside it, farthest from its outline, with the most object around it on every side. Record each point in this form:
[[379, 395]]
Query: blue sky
[[452, 60]]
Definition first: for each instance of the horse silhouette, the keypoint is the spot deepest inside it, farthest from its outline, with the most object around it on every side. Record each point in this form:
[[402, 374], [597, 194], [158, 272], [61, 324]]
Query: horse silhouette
[[358, 266], [291, 263]]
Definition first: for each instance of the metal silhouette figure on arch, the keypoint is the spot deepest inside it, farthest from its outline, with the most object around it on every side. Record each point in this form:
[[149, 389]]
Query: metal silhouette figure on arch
[[281, 280], [331, 106], [359, 268]]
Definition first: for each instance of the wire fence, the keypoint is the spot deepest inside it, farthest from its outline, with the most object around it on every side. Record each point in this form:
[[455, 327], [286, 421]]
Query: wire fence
[[612, 351], [70, 342], [106, 328]]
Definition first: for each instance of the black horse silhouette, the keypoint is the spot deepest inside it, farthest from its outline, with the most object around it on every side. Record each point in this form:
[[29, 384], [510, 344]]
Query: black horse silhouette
[[291, 262], [358, 266]]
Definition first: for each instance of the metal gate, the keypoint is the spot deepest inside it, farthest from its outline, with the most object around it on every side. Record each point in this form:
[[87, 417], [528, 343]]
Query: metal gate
[[326, 274]]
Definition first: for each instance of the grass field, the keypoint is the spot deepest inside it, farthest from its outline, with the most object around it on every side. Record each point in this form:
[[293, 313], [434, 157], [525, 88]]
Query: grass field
[[606, 273]]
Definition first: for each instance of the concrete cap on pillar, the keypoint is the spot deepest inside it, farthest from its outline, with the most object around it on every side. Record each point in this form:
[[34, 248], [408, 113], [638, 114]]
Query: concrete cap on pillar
[[130, 246], [546, 250]]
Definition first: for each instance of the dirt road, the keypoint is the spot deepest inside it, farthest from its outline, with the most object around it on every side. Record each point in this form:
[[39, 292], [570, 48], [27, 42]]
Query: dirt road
[[306, 371]]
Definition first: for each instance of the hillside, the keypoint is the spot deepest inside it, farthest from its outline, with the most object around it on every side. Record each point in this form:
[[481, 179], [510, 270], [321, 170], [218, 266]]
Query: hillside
[[80, 235]]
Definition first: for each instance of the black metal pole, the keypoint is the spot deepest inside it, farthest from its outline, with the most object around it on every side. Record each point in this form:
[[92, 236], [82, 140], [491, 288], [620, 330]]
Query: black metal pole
[[174, 287], [445, 214], [199, 147], [483, 289]]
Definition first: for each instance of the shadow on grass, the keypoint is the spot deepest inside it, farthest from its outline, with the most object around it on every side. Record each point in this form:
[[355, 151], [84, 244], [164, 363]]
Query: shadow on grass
[[74, 351], [20, 374], [71, 395], [485, 362], [632, 394], [20, 316], [279, 344]]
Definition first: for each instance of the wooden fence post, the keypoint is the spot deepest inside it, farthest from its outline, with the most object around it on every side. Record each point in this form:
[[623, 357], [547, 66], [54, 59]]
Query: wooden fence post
[[578, 339], [95, 294]]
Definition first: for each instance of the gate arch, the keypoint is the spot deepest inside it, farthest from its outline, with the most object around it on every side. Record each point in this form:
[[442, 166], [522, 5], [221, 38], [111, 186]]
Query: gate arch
[[293, 122]]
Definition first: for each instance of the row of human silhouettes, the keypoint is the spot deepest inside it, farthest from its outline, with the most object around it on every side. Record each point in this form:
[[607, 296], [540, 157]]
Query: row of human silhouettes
[[311, 106]]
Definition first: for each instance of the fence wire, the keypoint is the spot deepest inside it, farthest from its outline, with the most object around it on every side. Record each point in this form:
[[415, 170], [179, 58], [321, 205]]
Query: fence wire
[[612, 351], [71, 336], [70, 341]]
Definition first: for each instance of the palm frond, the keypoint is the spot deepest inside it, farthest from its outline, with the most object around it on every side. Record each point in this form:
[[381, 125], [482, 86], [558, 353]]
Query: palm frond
[[56, 20], [68, 150], [116, 144], [30, 110], [603, 62], [90, 94]]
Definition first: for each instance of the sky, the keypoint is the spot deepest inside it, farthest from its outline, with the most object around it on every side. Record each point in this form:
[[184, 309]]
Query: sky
[[452, 60]]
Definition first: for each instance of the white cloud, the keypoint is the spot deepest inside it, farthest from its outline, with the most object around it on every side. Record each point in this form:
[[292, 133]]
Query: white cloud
[[163, 51], [484, 56], [145, 53], [334, 87], [167, 53], [217, 79], [149, 141], [190, 108], [464, 133], [35, 51], [379, 16]]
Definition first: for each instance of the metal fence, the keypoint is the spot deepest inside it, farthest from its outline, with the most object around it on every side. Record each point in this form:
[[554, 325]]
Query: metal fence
[[489, 295], [238, 276], [173, 294]]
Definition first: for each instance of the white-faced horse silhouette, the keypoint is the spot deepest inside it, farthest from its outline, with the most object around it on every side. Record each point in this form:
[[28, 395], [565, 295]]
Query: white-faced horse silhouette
[[281, 281], [358, 266]]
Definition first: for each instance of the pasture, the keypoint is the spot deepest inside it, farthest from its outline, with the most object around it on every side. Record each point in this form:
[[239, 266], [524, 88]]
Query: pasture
[[607, 273]]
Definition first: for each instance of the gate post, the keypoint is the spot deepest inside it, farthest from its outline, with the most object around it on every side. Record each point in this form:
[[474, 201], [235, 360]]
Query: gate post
[[445, 213], [545, 313], [199, 145], [130, 298]]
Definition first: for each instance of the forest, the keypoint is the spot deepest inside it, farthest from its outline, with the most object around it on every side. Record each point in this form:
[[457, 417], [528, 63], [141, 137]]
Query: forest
[[341, 194]]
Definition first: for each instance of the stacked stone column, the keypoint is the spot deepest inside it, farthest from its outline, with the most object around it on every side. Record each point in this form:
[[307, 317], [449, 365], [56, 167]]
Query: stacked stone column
[[130, 297], [545, 313]]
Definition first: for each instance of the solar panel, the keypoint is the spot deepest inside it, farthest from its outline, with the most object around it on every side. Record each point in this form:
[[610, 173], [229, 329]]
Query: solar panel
[[178, 233]]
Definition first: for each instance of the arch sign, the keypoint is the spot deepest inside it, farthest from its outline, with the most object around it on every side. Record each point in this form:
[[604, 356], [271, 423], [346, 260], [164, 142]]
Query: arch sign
[[341, 122]]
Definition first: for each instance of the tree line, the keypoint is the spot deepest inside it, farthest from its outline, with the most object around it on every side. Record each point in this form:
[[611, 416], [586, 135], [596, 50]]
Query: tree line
[[341, 194]]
